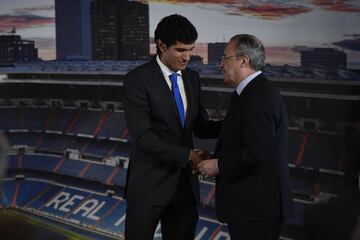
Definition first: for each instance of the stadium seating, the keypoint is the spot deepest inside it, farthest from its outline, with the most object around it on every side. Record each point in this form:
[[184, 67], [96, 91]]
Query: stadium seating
[[40, 162], [29, 190], [304, 182], [9, 190], [10, 118], [207, 191], [42, 197], [115, 126], [81, 206], [51, 142], [120, 178], [316, 161], [295, 140], [85, 122], [73, 121], [99, 148], [13, 161], [98, 172], [324, 151], [71, 167], [206, 144], [57, 143], [23, 139], [33, 119], [60, 119]]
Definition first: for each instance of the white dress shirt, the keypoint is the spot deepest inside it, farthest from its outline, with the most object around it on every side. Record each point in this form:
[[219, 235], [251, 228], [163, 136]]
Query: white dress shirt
[[246, 81], [167, 72]]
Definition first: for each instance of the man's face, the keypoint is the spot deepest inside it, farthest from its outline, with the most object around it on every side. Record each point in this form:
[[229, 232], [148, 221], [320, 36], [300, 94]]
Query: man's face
[[177, 56], [231, 65]]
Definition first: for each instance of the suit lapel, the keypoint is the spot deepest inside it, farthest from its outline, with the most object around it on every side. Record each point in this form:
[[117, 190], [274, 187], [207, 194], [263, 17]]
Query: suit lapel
[[164, 89], [236, 106], [189, 92], [232, 108]]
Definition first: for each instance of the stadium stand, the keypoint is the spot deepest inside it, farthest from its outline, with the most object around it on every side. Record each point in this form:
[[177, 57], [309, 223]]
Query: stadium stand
[[324, 151], [99, 172], [83, 207], [70, 145], [303, 182], [296, 143], [70, 121], [48, 133]]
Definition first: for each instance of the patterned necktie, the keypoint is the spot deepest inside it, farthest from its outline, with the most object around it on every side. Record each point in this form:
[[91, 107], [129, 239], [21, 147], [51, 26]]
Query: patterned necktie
[[177, 96]]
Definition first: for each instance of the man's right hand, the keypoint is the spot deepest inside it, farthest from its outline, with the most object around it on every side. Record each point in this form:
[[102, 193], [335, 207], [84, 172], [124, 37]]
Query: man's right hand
[[196, 156]]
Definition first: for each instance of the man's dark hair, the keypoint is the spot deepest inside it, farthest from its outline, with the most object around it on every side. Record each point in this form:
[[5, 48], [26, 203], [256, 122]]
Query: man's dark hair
[[175, 28]]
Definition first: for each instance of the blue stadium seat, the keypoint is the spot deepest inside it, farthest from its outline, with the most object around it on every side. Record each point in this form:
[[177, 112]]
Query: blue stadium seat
[[40, 162], [13, 161], [205, 189], [120, 178], [39, 202], [10, 118], [324, 151], [35, 118], [115, 126], [98, 148], [61, 119], [28, 139], [9, 190], [295, 138], [87, 122], [98, 172], [72, 167], [28, 190], [115, 221]]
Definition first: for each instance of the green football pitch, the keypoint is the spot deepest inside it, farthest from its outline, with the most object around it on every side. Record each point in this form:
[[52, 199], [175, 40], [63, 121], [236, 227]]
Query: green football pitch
[[18, 225]]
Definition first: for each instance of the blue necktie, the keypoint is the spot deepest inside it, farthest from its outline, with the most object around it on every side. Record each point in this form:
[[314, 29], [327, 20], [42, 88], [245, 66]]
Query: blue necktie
[[177, 96]]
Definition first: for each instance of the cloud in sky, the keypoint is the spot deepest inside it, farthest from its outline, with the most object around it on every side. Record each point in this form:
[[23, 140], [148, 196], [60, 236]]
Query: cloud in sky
[[7, 21], [34, 9], [203, 1], [265, 9], [273, 9], [337, 6], [270, 11], [349, 44]]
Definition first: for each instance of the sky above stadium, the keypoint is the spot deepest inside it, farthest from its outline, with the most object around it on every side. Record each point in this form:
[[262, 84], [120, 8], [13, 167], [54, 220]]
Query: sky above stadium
[[283, 26]]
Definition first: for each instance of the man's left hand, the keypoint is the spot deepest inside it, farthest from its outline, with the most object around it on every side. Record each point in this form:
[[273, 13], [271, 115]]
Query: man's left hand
[[208, 168]]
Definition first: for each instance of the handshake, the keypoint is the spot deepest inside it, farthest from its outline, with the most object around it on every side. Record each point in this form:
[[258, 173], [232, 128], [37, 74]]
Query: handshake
[[202, 164]]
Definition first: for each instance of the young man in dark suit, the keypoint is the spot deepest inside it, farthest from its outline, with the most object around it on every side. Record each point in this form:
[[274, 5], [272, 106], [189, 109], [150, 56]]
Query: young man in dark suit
[[163, 110], [253, 193]]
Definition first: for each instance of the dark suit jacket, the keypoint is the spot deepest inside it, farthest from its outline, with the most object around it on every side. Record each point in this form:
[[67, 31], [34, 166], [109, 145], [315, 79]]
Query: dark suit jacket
[[161, 146], [253, 183]]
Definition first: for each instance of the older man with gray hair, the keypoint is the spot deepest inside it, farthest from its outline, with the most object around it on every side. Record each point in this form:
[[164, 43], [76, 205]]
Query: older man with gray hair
[[253, 192]]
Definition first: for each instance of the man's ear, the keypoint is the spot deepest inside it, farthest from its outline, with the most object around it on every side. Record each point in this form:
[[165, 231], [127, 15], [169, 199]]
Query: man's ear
[[245, 60], [161, 45]]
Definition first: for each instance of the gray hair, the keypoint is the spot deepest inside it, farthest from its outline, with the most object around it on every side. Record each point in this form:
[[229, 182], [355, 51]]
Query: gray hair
[[252, 47]]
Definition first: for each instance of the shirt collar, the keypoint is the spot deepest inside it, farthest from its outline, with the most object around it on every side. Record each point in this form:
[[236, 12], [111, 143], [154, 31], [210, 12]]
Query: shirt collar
[[246, 81], [165, 70]]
